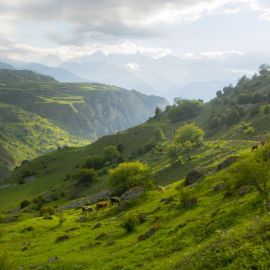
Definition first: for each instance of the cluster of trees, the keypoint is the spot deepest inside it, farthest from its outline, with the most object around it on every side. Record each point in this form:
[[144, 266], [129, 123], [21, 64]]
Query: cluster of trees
[[253, 98], [184, 109]]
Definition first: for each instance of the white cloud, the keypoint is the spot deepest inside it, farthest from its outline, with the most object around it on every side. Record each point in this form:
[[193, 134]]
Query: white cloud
[[210, 55], [29, 53], [133, 66]]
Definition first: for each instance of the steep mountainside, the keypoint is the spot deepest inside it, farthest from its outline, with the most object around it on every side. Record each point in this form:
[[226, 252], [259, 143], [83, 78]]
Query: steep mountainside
[[211, 212], [80, 112]]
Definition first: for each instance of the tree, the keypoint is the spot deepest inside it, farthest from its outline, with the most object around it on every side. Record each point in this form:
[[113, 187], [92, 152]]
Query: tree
[[184, 109], [111, 153], [243, 80], [173, 155], [159, 135], [188, 137], [264, 69], [232, 118], [128, 175], [158, 112], [219, 94], [189, 133]]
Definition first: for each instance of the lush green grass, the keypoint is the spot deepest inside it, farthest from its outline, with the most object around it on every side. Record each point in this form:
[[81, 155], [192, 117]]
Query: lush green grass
[[217, 233]]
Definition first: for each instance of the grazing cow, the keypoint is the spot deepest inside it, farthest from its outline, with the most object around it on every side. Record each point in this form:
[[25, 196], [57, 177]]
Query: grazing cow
[[86, 210], [115, 200], [161, 188], [101, 205], [255, 147]]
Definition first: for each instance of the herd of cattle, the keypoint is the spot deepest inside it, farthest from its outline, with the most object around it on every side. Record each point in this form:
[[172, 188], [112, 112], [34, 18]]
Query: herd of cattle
[[103, 204], [100, 205]]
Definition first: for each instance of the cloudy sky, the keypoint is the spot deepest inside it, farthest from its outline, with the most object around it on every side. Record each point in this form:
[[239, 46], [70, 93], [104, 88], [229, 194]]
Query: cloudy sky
[[51, 31]]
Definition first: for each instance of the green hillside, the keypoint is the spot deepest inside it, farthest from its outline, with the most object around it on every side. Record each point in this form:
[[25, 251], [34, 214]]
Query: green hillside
[[210, 212], [38, 114]]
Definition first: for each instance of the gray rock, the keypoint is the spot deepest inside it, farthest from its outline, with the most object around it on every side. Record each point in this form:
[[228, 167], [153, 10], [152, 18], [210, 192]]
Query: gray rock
[[226, 163], [53, 259], [142, 218], [193, 177], [132, 193], [149, 233], [11, 219]]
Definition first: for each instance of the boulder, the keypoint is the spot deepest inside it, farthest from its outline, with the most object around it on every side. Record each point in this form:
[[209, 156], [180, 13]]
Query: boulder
[[167, 200], [193, 177], [53, 259], [132, 193], [142, 218], [149, 233], [227, 162], [190, 202]]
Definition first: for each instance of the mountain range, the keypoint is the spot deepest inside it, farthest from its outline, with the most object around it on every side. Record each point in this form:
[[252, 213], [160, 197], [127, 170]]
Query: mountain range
[[194, 76], [38, 113]]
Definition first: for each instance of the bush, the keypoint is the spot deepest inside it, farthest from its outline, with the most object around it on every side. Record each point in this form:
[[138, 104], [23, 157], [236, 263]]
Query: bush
[[129, 225], [27, 173], [62, 238], [253, 171], [111, 153], [94, 162], [187, 200], [128, 175], [24, 204], [47, 211], [86, 176], [232, 118]]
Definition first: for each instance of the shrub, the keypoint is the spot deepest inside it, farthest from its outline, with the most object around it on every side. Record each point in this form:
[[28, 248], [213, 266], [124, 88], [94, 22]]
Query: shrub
[[24, 203], [111, 153], [27, 173], [232, 118], [94, 162], [159, 135], [129, 225], [253, 171], [86, 176], [188, 200], [47, 211], [62, 238], [128, 175]]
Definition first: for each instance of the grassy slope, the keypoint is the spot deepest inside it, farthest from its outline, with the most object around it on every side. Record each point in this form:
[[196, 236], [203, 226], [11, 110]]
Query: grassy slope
[[219, 233], [24, 135]]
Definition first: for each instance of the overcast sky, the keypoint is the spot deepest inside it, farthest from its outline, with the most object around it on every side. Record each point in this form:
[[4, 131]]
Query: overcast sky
[[51, 31]]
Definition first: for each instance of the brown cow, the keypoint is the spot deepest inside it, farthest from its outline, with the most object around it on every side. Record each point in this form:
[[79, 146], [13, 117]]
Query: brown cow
[[101, 205], [115, 200], [86, 210]]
